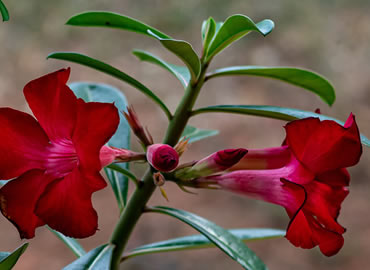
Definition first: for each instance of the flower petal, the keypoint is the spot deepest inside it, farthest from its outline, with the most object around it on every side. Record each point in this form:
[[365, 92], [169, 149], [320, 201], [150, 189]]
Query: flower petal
[[22, 143], [335, 178], [53, 104], [66, 206], [324, 145], [95, 124], [18, 199]]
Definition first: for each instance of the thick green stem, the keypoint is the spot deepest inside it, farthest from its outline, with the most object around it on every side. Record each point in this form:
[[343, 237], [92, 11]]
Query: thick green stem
[[142, 194]]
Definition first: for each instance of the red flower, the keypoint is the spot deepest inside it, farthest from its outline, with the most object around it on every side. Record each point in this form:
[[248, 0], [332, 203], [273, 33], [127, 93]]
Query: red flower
[[55, 158], [306, 176]]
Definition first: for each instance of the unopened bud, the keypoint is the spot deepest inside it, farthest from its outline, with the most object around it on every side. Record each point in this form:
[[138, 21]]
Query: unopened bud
[[137, 128], [214, 163], [162, 157], [109, 154]]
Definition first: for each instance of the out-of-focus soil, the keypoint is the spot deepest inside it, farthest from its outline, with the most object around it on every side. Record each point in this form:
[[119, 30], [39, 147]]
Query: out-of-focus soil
[[330, 37]]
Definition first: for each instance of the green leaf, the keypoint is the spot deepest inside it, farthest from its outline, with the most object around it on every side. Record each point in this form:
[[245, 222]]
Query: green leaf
[[195, 134], [72, 243], [113, 20], [234, 28], [199, 241], [184, 51], [4, 11], [3, 182], [127, 173], [287, 114], [227, 242], [208, 32], [97, 259], [108, 69], [8, 260], [180, 72], [300, 77], [121, 139]]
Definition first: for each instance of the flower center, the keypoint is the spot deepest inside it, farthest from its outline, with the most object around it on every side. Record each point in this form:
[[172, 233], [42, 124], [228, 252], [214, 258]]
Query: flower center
[[61, 158]]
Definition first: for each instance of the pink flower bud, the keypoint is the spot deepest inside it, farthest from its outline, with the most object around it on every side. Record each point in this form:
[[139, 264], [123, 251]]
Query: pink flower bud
[[214, 163], [110, 154], [162, 157]]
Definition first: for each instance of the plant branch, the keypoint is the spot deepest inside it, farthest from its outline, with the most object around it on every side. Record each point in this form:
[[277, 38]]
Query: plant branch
[[142, 194]]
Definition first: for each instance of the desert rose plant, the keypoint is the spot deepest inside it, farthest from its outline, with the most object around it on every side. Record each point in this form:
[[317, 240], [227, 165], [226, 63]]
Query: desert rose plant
[[52, 162]]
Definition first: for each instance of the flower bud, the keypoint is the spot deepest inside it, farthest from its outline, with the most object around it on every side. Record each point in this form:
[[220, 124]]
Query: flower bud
[[109, 154], [137, 128], [162, 157], [214, 163]]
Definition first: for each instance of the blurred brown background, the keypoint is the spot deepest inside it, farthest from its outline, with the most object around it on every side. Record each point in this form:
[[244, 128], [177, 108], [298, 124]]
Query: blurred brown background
[[330, 37]]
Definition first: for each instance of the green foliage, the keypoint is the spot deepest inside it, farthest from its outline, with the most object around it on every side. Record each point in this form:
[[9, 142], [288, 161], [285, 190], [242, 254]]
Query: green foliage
[[180, 72], [72, 243], [287, 114], [199, 241], [4, 11], [208, 32], [234, 28], [300, 77], [97, 259], [121, 139], [113, 20], [185, 52], [195, 134], [8, 260], [108, 69], [223, 239]]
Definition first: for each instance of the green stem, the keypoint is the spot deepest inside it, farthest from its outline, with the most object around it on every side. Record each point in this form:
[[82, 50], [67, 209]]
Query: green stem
[[142, 194]]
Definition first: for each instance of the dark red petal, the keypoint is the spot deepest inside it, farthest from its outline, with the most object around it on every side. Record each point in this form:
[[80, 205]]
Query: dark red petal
[[326, 145], [22, 143], [53, 104], [324, 203], [95, 125], [335, 178], [314, 223], [18, 199], [66, 206]]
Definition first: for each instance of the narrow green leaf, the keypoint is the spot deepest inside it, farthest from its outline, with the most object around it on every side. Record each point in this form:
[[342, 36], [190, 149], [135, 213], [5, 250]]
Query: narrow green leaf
[[287, 114], [199, 241], [113, 20], [180, 72], [72, 243], [195, 134], [97, 259], [108, 69], [300, 77], [227, 242], [234, 28], [117, 168], [208, 33], [121, 139], [184, 51], [4, 11], [8, 260]]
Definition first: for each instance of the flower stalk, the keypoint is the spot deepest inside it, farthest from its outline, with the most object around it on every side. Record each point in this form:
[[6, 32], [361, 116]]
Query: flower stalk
[[142, 194]]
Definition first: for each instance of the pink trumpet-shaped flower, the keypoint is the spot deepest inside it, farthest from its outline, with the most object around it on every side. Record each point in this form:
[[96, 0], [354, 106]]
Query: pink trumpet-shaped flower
[[56, 159], [306, 176]]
